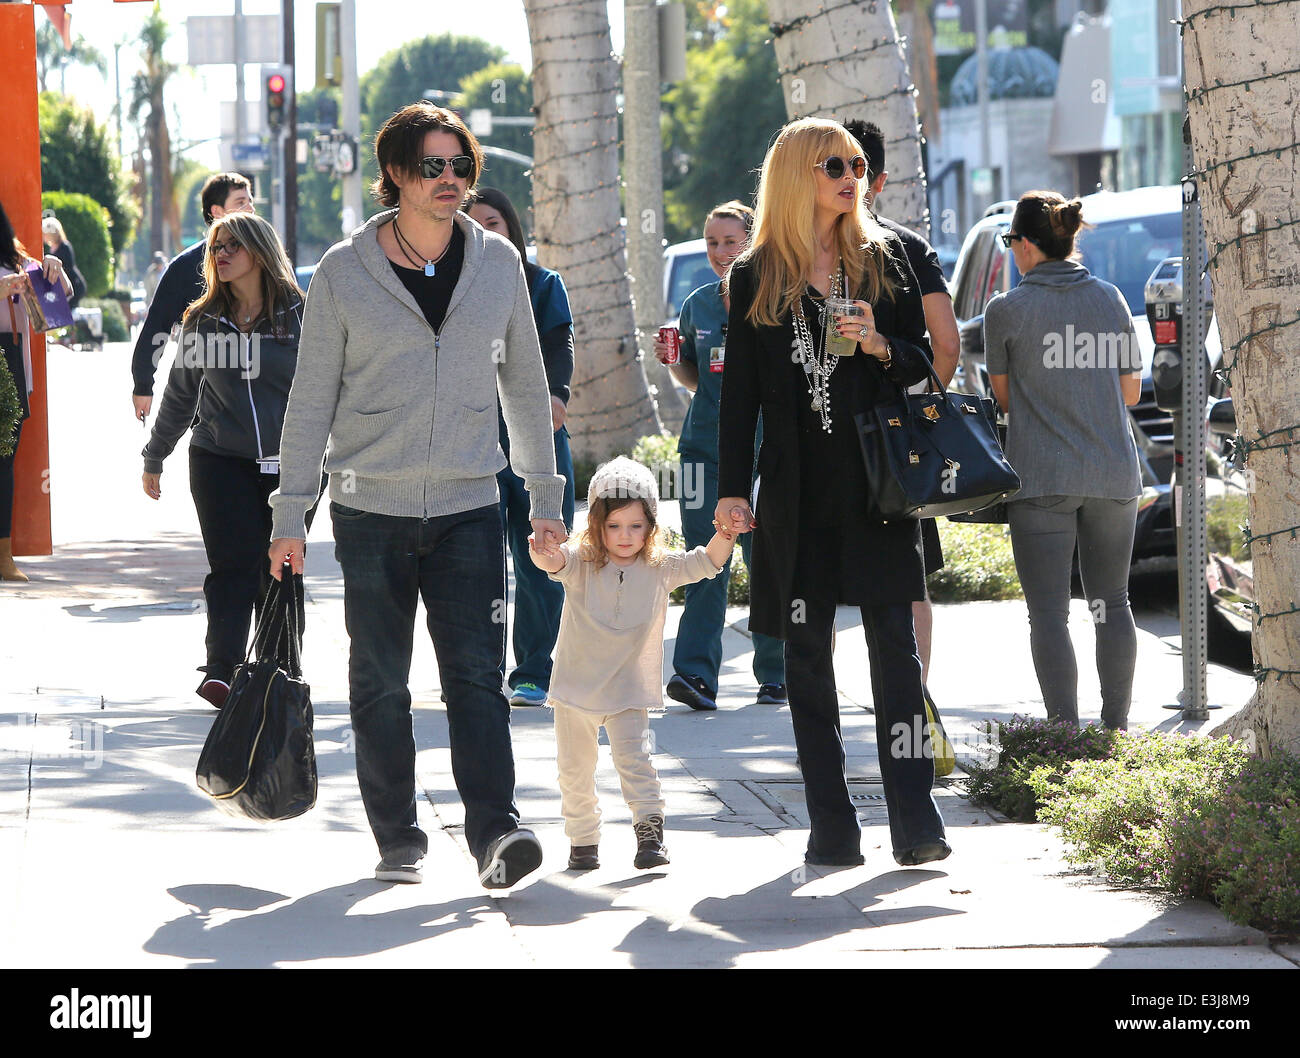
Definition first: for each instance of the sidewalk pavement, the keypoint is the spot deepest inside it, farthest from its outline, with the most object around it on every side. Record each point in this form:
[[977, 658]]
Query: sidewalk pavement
[[110, 856]]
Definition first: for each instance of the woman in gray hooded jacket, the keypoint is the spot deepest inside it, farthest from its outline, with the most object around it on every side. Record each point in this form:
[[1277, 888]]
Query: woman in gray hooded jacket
[[234, 365], [1063, 362]]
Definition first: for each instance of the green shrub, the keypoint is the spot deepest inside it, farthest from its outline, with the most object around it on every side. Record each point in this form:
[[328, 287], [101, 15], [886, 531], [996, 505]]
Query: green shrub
[[85, 222], [658, 451], [737, 584], [1020, 747], [1119, 814], [1226, 519], [978, 564], [116, 328], [1243, 850], [11, 409], [583, 469]]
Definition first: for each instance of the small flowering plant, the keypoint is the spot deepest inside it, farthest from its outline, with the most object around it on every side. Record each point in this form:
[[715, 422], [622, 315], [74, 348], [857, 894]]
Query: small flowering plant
[[1021, 745]]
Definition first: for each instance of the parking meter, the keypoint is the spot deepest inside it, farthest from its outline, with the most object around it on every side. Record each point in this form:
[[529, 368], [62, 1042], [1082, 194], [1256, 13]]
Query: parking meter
[[1164, 300]]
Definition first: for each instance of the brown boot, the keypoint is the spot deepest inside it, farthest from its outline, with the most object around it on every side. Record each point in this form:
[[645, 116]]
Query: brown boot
[[8, 571]]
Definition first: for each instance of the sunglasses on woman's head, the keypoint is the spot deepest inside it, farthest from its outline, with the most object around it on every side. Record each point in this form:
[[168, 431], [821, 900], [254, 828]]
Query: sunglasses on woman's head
[[225, 249], [431, 167], [835, 166]]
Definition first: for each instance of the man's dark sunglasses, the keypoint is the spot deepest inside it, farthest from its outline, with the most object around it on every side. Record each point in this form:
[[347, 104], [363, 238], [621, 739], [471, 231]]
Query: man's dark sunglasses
[[1008, 237], [834, 167], [431, 167]]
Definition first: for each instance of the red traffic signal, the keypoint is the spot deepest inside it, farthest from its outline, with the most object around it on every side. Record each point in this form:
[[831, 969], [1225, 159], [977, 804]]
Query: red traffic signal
[[276, 87]]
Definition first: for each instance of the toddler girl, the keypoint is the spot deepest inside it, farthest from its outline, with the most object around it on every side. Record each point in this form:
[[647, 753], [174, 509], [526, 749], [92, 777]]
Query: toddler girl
[[609, 655]]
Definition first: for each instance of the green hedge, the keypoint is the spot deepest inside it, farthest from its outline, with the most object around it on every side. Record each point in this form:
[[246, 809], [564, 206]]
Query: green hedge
[[11, 410], [116, 328], [1227, 518], [85, 222], [978, 564]]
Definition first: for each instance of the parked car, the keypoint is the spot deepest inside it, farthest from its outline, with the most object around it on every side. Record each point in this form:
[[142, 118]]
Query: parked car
[[1131, 233], [303, 274], [686, 268]]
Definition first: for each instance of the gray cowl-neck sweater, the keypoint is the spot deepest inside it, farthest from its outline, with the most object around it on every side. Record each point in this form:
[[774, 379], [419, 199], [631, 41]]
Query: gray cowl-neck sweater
[[1063, 338], [410, 416]]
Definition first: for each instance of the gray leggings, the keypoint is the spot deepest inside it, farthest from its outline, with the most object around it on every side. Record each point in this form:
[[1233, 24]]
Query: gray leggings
[[1043, 534]]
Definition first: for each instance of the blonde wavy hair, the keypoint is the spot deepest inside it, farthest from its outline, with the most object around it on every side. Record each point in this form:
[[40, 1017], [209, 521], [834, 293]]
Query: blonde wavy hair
[[280, 290], [784, 244], [591, 541]]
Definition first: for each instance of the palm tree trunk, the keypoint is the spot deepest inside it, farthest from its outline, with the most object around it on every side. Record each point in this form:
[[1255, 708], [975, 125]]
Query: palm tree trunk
[[845, 61], [643, 153], [1243, 138], [576, 209]]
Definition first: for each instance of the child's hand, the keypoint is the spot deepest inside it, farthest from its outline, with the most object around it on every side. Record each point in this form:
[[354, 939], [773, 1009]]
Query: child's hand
[[541, 549]]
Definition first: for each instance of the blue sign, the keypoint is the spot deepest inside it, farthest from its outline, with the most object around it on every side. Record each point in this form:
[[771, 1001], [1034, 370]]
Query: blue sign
[[1134, 59], [254, 155]]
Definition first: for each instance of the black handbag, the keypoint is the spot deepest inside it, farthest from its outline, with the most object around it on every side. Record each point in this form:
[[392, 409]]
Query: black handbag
[[995, 513], [931, 455], [259, 761]]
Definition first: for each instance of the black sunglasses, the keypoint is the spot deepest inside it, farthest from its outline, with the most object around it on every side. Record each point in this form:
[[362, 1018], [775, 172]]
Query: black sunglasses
[[1008, 237], [834, 167], [431, 167]]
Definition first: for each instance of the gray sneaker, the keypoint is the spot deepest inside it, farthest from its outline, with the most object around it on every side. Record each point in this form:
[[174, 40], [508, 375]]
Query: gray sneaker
[[400, 865], [508, 858]]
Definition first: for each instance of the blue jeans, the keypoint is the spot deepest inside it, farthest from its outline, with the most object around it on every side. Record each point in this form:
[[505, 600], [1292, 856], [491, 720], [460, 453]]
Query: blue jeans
[[698, 651], [538, 599], [455, 564], [1043, 534]]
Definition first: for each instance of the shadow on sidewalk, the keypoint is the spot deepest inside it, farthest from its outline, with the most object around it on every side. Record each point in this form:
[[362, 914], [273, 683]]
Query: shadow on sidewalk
[[318, 926], [165, 568]]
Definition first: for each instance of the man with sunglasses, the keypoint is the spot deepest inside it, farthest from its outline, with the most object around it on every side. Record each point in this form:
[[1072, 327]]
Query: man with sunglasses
[[940, 323], [180, 284], [413, 326]]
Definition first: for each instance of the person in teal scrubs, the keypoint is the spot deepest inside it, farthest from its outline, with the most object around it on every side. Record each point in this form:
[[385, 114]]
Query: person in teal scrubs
[[703, 325]]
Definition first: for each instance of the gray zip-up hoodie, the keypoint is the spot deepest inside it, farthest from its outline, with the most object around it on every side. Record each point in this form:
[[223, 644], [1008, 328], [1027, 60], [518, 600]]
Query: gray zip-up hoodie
[[410, 415], [1063, 337]]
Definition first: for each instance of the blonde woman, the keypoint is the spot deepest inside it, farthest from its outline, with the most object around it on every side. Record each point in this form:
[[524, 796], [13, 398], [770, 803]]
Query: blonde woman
[[817, 542], [234, 365]]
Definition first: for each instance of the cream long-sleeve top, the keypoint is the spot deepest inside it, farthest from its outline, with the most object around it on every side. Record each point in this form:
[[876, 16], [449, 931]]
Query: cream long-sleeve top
[[609, 656]]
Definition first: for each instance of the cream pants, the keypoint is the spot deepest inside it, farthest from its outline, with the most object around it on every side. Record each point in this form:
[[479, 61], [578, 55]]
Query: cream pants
[[576, 746]]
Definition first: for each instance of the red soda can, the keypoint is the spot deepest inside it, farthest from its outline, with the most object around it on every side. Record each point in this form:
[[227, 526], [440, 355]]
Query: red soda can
[[672, 338]]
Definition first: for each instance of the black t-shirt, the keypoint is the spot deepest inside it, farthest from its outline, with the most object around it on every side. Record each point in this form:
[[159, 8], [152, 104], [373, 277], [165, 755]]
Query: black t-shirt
[[922, 258], [433, 293]]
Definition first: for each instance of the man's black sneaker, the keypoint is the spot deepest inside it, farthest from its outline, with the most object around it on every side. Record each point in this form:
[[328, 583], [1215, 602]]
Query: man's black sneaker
[[400, 865], [772, 694], [584, 857], [508, 858], [692, 691], [650, 849]]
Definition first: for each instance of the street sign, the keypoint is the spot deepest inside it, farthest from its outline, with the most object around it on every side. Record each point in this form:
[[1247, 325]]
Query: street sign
[[250, 155], [329, 48], [211, 39], [981, 181], [480, 122]]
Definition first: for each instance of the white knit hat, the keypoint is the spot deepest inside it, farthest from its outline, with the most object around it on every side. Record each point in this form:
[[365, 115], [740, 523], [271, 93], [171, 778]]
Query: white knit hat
[[622, 478]]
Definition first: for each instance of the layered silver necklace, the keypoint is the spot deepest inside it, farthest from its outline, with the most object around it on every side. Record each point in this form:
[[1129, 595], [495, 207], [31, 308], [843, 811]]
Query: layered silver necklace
[[818, 365]]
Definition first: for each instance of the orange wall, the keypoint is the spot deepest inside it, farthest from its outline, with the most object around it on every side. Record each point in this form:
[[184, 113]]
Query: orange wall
[[20, 191]]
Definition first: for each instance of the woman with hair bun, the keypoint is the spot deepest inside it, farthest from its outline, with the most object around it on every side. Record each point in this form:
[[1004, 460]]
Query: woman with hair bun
[[1064, 363]]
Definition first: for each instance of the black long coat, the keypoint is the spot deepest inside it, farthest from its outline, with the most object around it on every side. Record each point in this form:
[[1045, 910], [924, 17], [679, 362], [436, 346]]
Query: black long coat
[[761, 373]]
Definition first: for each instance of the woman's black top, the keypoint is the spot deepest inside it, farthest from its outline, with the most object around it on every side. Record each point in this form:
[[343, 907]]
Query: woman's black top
[[817, 535]]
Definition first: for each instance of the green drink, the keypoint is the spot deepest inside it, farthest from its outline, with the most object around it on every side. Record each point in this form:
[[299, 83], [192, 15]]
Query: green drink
[[835, 343]]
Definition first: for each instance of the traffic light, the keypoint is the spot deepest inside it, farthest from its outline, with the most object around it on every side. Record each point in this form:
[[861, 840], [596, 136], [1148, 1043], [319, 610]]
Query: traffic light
[[276, 94]]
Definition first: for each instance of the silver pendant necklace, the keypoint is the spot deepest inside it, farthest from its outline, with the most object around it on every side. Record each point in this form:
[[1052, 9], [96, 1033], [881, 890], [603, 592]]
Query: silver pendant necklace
[[818, 365], [405, 246]]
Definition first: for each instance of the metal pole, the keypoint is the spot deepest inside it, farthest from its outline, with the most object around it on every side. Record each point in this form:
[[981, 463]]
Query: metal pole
[[982, 88], [239, 70], [352, 211], [290, 178], [1195, 632]]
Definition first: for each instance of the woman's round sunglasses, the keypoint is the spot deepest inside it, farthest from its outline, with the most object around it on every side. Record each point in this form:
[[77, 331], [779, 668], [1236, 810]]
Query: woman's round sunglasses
[[431, 167], [835, 166], [225, 249]]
